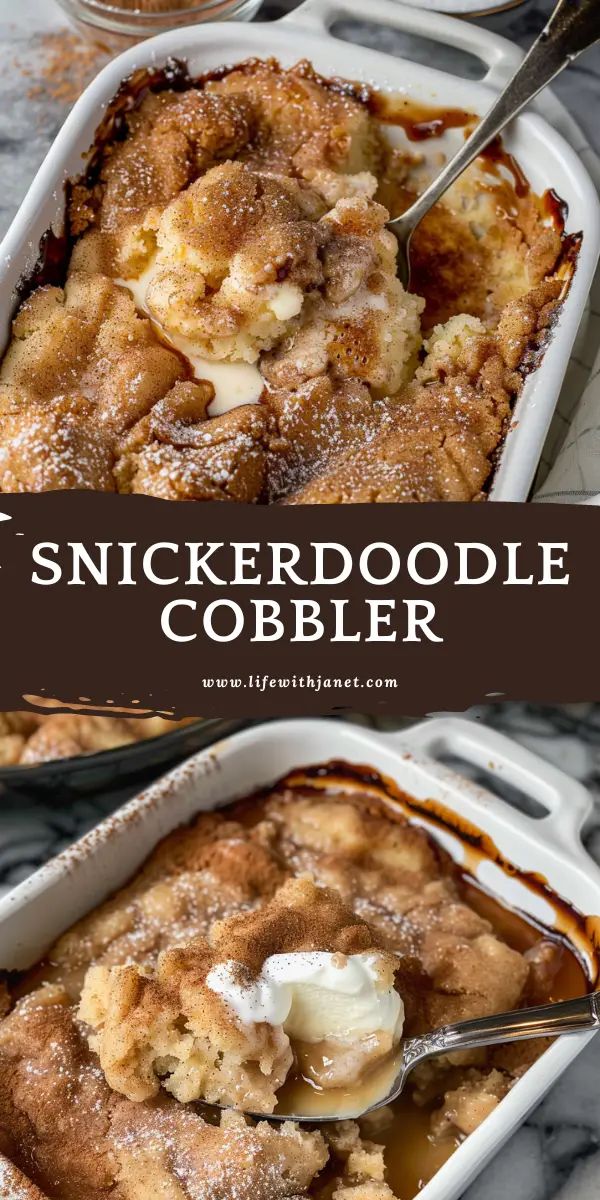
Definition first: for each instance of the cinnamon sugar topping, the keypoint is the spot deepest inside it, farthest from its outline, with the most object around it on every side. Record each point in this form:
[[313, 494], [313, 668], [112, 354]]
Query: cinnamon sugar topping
[[67, 64]]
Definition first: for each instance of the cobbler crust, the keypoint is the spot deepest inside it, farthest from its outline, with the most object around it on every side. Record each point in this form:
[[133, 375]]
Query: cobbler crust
[[87, 1142]]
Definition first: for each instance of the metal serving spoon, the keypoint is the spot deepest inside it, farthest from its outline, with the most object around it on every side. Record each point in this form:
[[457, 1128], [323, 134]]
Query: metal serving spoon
[[548, 1020], [573, 27]]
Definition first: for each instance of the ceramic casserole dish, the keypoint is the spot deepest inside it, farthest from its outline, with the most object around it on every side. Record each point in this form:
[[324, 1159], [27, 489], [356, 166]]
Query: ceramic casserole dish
[[548, 161], [35, 913]]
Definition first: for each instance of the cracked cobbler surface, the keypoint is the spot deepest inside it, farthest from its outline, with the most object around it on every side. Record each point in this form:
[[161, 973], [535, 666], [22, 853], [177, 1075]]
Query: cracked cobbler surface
[[109, 1045], [231, 326]]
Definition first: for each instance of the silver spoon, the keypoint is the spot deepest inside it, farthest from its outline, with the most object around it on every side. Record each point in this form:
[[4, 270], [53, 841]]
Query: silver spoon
[[548, 1020], [573, 27]]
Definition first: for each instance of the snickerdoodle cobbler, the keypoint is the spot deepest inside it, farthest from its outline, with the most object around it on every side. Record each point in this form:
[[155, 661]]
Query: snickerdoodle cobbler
[[288, 941], [229, 324]]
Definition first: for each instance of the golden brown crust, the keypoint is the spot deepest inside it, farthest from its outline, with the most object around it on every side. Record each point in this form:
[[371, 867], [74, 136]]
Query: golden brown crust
[[81, 368], [173, 455], [194, 877], [65, 1129], [59, 1130]]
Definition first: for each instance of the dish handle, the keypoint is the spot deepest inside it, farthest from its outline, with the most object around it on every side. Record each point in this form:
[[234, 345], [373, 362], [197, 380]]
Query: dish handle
[[566, 802], [499, 55]]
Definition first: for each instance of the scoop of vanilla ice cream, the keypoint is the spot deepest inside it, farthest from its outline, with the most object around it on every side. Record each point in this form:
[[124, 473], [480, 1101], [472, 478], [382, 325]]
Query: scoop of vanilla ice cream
[[315, 996]]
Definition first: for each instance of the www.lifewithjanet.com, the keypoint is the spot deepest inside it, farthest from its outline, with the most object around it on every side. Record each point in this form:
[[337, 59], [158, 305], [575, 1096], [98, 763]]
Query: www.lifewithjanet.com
[[314, 683]]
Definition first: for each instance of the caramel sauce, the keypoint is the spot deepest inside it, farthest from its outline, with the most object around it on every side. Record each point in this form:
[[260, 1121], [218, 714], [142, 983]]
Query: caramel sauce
[[496, 157], [555, 208], [420, 122], [50, 269], [301, 1096], [412, 1157]]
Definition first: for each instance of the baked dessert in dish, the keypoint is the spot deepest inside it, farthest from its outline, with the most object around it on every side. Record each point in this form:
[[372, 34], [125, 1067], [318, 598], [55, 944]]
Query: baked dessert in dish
[[224, 322], [288, 941], [29, 738]]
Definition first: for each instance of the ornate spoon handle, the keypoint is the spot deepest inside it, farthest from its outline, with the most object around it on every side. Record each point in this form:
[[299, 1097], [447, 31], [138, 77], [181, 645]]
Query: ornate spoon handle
[[549, 1020]]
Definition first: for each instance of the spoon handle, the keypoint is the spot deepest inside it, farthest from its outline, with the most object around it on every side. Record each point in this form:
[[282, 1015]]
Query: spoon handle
[[573, 27], [549, 1020]]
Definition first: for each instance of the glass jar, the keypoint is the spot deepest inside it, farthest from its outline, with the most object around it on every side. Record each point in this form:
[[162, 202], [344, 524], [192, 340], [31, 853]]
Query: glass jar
[[122, 25]]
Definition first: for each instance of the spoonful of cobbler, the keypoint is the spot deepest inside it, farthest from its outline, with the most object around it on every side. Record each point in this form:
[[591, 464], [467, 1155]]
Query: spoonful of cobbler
[[294, 1011], [572, 28]]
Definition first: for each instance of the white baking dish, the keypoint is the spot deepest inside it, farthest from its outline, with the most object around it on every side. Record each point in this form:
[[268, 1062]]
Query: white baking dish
[[545, 156], [33, 915]]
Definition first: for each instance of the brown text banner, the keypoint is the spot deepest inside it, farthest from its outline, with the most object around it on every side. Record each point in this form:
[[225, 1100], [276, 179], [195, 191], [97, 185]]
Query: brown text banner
[[223, 609]]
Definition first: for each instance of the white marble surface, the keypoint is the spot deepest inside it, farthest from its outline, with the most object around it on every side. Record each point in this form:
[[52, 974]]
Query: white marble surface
[[556, 1155]]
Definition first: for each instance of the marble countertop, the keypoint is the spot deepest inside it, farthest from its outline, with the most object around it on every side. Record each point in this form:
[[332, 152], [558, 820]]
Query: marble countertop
[[556, 1154]]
